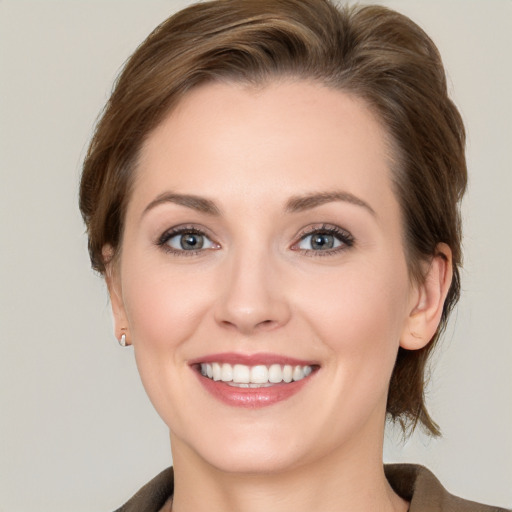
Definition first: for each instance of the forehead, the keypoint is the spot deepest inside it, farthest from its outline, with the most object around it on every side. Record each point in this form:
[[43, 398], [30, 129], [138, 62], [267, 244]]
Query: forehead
[[229, 140]]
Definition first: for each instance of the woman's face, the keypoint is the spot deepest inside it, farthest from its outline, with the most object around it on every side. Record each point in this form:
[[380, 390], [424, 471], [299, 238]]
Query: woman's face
[[263, 243]]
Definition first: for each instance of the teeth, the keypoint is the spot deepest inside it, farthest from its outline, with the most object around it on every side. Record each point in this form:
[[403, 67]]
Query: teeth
[[259, 374], [275, 373], [298, 373], [241, 374], [216, 370], [244, 376], [227, 373]]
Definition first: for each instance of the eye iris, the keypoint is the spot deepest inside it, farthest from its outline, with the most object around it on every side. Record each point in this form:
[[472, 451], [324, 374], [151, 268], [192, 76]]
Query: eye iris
[[322, 241], [191, 241]]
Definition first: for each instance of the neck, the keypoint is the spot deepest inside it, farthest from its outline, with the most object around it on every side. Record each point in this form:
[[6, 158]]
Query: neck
[[349, 479]]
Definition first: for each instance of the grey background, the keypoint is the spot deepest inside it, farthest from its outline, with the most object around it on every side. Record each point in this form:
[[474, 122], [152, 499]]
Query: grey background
[[76, 430]]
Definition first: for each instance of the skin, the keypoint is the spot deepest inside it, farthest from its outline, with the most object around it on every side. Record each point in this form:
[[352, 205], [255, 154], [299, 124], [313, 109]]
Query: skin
[[259, 286]]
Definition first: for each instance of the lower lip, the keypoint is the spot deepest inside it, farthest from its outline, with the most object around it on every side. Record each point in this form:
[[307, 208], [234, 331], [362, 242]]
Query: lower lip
[[252, 398]]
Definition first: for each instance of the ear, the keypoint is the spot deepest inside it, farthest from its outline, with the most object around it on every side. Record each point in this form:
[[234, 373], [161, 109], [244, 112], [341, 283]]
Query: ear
[[428, 300], [113, 281]]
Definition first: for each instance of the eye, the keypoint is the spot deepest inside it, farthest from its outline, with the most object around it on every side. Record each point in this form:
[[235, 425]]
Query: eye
[[189, 242], [186, 240], [326, 239], [319, 242]]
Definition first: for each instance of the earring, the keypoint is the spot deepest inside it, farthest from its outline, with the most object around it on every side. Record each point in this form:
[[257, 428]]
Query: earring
[[122, 340]]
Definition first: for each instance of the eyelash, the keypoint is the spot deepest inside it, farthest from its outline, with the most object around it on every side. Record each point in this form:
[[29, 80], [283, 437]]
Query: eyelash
[[163, 240], [344, 237]]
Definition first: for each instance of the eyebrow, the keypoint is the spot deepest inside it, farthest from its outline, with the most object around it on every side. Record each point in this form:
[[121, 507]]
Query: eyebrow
[[306, 202], [197, 203], [294, 205]]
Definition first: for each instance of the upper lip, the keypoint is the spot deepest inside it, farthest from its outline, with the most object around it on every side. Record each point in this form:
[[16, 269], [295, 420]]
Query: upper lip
[[251, 359]]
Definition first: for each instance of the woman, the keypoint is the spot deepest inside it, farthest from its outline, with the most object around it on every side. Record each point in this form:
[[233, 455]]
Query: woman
[[273, 195]]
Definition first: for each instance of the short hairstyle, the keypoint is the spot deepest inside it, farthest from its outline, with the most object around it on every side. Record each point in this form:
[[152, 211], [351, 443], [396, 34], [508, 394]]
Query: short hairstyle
[[371, 52]]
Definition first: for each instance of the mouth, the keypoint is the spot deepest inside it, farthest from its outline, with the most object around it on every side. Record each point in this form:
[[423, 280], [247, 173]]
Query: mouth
[[258, 376], [253, 381]]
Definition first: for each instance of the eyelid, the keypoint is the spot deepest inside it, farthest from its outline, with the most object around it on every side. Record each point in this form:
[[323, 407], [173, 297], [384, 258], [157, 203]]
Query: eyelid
[[344, 236], [183, 229]]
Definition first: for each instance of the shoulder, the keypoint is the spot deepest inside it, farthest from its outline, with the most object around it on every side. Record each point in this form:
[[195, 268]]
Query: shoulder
[[151, 497], [414, 483], [426, 494]]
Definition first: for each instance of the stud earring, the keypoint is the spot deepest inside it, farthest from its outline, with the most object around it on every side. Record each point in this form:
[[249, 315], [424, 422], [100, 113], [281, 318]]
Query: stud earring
[[122, 340]]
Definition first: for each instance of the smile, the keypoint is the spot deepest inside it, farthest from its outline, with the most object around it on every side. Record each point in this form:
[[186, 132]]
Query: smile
[[244, 376], [253, 381]]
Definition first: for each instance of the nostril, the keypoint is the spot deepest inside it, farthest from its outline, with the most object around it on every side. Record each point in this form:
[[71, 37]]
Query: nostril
[[267, 324], [227, 323]]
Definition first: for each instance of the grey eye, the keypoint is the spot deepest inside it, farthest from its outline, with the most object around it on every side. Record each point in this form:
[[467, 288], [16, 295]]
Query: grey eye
[[319, 242], [190, 242]]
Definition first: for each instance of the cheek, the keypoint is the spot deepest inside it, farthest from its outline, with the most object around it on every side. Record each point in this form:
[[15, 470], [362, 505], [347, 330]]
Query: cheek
[[359, 311], [164, 304], [165, 308]]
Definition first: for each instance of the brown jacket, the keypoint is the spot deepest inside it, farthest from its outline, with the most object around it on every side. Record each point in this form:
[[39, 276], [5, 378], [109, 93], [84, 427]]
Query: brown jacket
[[413, 483]]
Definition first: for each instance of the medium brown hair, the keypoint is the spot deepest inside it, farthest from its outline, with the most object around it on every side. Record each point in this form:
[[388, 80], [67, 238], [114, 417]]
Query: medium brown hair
[[370, 51]]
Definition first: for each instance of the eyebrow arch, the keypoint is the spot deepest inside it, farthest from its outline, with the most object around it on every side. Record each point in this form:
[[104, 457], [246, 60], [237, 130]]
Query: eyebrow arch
[[306, 202], [197, 203]]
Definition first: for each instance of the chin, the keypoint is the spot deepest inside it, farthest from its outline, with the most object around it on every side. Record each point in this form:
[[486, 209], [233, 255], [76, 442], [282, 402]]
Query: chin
[[253, 461], [249, 450]]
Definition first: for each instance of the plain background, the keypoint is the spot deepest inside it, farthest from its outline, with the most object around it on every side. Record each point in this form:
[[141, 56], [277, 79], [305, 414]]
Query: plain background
[[76, 430]]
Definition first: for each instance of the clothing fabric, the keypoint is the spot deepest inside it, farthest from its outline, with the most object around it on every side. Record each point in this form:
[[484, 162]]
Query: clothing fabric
[[413, 483]]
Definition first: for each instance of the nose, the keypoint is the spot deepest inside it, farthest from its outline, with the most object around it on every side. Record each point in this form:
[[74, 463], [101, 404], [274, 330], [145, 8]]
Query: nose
[[252, 298]]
